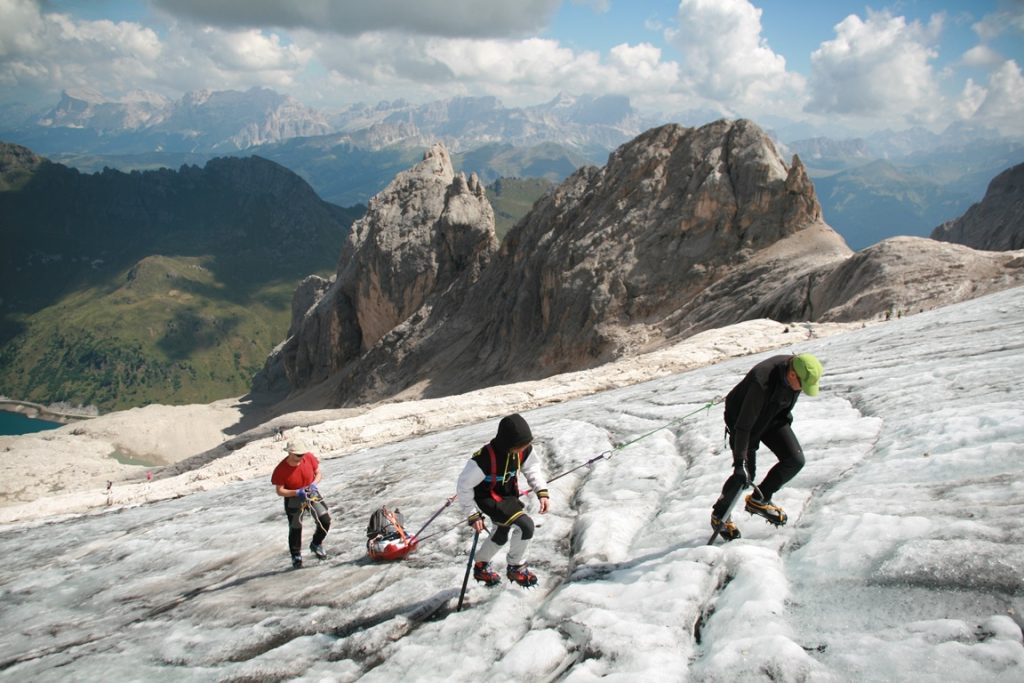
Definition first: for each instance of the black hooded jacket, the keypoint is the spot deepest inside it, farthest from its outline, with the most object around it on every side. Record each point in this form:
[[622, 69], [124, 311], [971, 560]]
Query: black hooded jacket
[[489, 485], [762, 402], [500, 475]]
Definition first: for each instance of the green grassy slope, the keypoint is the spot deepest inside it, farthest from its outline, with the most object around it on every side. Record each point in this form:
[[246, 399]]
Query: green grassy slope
[[512, 198], [167, 286]]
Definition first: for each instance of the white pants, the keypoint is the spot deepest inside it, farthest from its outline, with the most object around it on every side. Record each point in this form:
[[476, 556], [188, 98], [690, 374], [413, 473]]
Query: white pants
[[517, 548]]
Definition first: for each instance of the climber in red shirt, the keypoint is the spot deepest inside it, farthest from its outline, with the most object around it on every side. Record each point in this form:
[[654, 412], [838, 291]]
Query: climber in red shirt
[[295, 479]]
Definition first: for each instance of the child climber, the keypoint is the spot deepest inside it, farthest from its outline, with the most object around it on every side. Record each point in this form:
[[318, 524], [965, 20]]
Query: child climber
[[489, 486]]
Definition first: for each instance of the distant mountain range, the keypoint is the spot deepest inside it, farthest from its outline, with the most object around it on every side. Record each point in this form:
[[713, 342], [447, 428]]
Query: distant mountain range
[[204, 122], [889, 183], [902, 184]]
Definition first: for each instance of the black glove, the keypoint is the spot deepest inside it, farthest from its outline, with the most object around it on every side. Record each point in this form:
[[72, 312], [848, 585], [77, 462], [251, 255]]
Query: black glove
[[748, 469], [741, 468]]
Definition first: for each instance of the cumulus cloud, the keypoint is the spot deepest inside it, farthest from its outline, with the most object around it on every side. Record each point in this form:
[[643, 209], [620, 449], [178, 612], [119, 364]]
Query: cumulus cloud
[[970, 99], [249, 50], [528, 69], [1000, 105], [726, 58], [1009, 18], [981, 56], [599, 6], [54, 51], [20, 30], [877, 67], [449, 18]]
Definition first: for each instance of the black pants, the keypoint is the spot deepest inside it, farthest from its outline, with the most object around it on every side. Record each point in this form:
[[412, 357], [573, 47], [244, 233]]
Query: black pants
[[321, 517], [525, 524], [782, 442], [506, 514]]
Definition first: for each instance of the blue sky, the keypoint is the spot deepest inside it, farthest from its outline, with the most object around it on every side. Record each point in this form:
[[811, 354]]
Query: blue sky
[[839, 65]]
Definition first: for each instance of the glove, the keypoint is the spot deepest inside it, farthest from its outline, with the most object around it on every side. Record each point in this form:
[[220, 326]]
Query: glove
[[301, 494], [312, 491], [745, 470]]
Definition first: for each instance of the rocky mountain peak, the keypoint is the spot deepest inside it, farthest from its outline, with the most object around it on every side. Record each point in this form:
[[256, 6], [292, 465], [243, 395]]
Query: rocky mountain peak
[[996, 223], [427, 230]]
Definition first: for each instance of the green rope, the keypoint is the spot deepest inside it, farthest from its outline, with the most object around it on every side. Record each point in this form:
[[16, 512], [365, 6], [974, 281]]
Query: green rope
[[606, 455], [707, 406]]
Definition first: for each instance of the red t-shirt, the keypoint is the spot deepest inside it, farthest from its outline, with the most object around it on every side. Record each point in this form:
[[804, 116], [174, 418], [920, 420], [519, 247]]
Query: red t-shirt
[[298, 477]]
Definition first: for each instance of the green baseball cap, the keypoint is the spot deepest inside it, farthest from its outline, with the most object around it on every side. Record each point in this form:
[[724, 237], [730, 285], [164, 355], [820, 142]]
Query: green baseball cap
[[809, 370]]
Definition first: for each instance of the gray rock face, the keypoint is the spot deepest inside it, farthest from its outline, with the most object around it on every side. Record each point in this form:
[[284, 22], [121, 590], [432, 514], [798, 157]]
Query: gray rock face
[[682, 231], [598, 266], [426, 230], [898, 276], [996, 223]]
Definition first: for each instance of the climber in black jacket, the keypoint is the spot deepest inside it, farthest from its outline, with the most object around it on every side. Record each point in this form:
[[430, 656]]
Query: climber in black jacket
[[760, 410]]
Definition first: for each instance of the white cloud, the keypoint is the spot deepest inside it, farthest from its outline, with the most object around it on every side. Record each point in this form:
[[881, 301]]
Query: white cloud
[[450, 18], [20, 29], [600, 6], [981, 56], [517, 70], [970, 99], [727, 60], [1010, 17], [53, 51], [1003, 104], [878, 67], [249, 50]]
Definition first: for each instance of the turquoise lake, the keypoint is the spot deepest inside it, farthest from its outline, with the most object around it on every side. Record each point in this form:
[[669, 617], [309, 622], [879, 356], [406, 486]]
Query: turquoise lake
[[15, 423]]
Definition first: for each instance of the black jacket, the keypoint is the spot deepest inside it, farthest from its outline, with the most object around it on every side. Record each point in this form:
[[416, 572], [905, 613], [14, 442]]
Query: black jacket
[[500, 475], [762, 402]]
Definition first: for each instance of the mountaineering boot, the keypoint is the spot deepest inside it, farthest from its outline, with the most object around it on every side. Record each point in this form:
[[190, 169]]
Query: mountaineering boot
[[297, 561], [758, 506], [727, 529], [318, 550], [483, 573], [521, 574]]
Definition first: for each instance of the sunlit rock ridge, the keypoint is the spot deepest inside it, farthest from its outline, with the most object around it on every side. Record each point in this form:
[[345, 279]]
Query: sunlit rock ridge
[[683, 230]]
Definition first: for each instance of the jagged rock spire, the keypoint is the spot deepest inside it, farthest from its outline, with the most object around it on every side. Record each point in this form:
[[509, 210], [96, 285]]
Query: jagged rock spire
[[426, 229]]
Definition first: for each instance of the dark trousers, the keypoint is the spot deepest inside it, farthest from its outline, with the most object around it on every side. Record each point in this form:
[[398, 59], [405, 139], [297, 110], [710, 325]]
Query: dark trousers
[[782, 442], [321, 517], [525, 524]]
